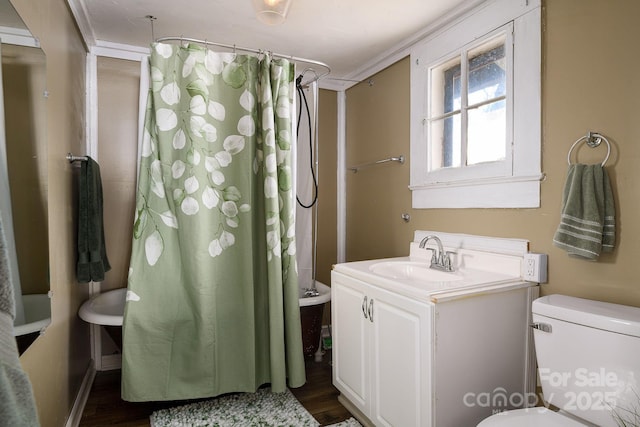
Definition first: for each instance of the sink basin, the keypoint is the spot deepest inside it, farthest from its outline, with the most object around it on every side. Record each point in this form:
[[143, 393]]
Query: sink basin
[[412, 270]]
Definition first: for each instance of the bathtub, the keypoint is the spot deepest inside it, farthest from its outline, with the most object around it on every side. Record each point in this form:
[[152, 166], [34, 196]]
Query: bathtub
[[311, 311], [37, 312], [107, 309]]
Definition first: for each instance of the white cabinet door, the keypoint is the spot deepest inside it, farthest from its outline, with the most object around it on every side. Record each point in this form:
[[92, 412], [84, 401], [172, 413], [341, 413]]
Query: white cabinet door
[[400, 331], [381, 353], [350, 340]]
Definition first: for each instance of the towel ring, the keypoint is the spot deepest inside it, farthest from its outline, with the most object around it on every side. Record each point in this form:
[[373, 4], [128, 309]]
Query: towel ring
[[593, 140]]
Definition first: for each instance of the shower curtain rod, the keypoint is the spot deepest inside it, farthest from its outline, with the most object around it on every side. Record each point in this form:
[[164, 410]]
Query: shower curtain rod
[[257, 51]]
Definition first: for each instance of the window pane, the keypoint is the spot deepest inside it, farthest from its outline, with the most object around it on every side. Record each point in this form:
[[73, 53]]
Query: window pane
[[487, 71], [445, 87], [445, 139], [486, 137]]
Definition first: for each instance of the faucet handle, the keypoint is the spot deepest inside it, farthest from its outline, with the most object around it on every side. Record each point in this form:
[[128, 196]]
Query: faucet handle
[[447, 260], [434, 256]]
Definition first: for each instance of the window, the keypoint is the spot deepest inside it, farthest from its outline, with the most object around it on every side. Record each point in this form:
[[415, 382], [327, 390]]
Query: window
[[475, 142], [468, 126]]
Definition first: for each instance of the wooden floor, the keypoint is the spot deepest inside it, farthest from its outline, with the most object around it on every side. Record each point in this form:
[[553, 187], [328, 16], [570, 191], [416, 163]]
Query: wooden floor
[[105, 407]]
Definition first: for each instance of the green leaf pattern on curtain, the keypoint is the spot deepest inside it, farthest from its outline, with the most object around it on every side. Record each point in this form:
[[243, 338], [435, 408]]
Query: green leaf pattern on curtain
[[213, 228]]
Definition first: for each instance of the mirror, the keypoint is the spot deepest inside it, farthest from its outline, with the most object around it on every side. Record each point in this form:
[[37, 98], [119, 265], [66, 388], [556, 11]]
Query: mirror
[[23, 174]]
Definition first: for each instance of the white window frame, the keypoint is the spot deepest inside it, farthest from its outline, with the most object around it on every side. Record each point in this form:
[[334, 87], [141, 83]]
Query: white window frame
[[514, 183], [481, 170]]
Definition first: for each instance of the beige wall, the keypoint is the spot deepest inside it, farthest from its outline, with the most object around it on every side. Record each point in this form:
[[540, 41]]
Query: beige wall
[[590, 82], [118, 91], [57, 361], [327, 250], [378, 128], [327, 182]]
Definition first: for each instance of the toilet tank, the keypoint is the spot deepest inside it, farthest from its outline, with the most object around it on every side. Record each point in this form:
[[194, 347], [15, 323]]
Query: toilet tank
[[588, 355]]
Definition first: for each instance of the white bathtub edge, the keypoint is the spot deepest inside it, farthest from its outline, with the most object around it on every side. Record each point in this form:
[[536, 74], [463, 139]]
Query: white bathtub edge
[[37, 313], [324, 297], [87, 314]]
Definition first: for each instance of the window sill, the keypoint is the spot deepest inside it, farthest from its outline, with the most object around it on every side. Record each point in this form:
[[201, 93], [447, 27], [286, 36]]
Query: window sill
[[512, 192]]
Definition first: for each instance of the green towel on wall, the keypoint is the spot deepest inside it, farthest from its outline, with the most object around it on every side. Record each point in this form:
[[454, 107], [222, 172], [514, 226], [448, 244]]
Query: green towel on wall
[[92, 252], [587, 221]]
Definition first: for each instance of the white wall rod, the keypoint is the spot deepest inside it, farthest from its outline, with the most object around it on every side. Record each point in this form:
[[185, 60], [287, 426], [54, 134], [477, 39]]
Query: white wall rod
[[399, 159]]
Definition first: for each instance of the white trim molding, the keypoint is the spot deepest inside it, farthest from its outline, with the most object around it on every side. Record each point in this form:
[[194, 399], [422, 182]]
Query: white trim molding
[[18, 37], [80, 14], [120, 51], [342, 179], [117, 51], [81, 398], [524, 192]]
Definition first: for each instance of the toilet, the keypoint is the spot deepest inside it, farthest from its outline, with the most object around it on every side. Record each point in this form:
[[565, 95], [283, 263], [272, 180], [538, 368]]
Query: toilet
[[588, 355]]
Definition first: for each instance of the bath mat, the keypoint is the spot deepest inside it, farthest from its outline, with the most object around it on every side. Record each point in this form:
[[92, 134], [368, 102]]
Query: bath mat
[[263, 409]]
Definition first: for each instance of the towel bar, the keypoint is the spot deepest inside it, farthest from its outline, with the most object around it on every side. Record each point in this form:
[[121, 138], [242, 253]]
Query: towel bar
[[593, 140], [399, 159], [71, 158]]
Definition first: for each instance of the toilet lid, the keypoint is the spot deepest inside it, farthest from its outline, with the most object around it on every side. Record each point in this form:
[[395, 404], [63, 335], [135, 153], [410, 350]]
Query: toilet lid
[[530, 417]]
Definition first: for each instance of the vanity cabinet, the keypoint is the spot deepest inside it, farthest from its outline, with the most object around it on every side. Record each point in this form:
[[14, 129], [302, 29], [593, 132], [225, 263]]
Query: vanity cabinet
[[381, 352], [446, 358]]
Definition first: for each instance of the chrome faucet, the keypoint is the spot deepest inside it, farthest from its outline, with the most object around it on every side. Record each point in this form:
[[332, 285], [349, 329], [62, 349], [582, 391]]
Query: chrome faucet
[[440, 260]]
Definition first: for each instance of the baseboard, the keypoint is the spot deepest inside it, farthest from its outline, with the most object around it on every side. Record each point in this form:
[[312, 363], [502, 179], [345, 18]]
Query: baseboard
[[357, 414], [111, 362], [81, 398]]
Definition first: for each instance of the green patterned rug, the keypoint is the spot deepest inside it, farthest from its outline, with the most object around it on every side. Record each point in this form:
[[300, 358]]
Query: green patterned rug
[[263, 409]]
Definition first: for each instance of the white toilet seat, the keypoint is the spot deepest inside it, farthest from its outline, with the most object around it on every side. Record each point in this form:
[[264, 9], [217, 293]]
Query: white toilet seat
[[530, 417]]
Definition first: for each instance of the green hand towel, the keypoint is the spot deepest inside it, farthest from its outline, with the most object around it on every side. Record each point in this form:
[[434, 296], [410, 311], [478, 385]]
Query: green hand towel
[[587, 221], [92, 252]]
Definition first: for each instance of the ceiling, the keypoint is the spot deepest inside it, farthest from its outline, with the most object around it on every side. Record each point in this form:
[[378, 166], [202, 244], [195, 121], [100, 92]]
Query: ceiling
[[345, 34]]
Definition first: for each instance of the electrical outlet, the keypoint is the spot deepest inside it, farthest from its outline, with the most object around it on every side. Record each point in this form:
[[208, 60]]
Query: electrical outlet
[[535, 267]]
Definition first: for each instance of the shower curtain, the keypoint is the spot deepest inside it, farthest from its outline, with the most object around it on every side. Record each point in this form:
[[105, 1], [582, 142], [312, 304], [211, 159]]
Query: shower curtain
[[212, 300]]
